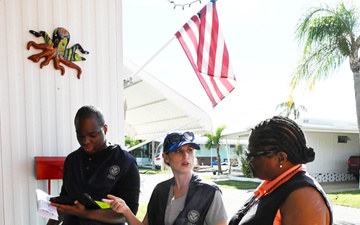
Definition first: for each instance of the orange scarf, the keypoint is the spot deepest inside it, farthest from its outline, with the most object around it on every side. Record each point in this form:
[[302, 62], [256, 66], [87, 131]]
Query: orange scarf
[[266, 187]]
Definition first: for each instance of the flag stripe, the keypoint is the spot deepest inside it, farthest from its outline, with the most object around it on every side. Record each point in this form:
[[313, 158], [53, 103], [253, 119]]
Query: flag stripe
[[202, 79], [202, 48], [205, 47], [213, 42]]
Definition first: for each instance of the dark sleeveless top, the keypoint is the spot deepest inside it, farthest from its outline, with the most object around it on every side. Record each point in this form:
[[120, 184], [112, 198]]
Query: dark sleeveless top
[[263, 212]]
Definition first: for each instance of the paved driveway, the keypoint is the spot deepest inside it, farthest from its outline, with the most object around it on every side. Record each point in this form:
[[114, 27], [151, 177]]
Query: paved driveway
[[234, 198]]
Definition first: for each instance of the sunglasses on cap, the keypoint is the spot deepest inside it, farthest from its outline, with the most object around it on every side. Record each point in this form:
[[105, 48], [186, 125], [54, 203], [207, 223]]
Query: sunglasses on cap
[[176, 138]]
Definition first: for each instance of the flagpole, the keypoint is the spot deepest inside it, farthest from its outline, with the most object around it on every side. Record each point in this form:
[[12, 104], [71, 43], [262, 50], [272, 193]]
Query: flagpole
[[147, 62]]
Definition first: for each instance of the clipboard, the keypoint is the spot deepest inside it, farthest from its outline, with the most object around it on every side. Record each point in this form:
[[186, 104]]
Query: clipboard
[[83, 198]]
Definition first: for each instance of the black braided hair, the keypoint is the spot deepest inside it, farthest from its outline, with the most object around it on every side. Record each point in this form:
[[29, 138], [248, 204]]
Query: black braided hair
[[89, 111], [282, 134]]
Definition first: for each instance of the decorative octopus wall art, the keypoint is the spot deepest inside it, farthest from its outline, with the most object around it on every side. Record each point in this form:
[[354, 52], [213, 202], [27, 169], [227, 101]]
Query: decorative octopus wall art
[[56, 49]]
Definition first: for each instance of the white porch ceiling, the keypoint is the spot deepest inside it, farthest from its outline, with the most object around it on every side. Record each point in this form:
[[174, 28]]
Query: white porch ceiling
[[153, 109]]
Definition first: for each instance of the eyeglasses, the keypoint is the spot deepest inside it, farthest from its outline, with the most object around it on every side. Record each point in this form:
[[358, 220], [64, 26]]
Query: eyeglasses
[[250, 155], [177, 137]]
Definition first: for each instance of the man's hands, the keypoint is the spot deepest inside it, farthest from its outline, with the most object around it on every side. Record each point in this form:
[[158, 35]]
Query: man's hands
[[77, 209]]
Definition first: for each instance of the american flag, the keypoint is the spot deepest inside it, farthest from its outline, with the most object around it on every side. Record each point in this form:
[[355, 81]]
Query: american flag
[[205, 47]]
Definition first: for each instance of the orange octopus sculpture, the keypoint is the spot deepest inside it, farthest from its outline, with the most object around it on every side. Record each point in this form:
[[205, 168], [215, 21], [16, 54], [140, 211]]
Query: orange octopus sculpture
[[56, 49]]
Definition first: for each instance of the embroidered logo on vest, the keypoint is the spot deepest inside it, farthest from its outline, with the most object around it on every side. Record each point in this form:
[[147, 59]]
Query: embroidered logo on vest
[[114, 170], [193, 216]]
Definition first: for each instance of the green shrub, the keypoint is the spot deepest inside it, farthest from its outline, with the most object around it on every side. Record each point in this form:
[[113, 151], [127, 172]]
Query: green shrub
[[245, 167]]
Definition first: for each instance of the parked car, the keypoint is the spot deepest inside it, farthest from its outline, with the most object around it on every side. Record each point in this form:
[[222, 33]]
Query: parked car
[[354, 166], [224, 167], [158, 160]]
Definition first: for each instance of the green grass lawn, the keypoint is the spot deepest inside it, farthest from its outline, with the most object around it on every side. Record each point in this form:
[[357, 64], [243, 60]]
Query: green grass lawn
[[141, 211], [241, 185], [143, 170], [346, 198]]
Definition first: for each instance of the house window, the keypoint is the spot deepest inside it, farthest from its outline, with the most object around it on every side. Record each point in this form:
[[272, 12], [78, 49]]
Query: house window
[[343, 139]]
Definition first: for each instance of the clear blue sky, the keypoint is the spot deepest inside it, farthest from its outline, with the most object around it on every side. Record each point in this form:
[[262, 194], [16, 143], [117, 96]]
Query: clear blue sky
[[263, 52]]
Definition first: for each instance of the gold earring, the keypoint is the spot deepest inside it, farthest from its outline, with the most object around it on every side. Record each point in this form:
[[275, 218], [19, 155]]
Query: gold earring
[[280, 165]]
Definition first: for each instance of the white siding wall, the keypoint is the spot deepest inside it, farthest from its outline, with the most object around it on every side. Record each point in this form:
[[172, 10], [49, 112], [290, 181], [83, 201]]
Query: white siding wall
[[331, 156], [37, 106]]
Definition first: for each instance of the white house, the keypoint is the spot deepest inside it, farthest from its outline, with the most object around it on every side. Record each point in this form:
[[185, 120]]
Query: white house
[[333, 141]]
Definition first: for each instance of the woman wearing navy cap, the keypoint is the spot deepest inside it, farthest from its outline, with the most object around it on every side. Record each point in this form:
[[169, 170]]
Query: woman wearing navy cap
[[183, 199]]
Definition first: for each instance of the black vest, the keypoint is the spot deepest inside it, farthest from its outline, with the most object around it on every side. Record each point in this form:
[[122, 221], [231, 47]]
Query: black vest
[[198, 200], [264, 211], [102, 181]]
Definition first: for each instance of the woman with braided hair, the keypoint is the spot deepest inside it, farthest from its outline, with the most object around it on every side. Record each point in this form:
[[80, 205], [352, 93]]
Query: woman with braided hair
[[277, 152]]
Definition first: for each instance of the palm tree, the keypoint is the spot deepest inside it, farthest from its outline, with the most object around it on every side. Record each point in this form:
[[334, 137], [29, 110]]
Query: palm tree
[[329, 37], [215, 140], [243, 163], [290, 108], [238, 152], [129, 141]]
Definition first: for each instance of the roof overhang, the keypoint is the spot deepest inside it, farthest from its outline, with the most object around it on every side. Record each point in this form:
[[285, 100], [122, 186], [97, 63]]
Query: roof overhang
[[152, 109], [307, 125]]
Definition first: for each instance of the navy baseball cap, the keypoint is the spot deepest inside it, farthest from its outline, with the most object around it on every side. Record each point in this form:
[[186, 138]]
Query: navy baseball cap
[[175, 140]]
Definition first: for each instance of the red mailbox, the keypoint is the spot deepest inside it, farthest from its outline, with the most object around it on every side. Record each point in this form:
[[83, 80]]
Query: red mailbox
[[49, 167]]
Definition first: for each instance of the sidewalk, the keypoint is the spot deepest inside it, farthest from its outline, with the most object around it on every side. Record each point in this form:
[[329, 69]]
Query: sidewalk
[[343, 215], [346, 215], [340, 186]]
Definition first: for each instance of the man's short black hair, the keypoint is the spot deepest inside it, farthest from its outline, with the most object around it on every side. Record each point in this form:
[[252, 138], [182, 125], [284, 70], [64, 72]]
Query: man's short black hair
[[89, 111]]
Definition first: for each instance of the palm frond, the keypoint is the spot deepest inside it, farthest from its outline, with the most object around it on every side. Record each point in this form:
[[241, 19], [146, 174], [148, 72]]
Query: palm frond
[[328, 38]]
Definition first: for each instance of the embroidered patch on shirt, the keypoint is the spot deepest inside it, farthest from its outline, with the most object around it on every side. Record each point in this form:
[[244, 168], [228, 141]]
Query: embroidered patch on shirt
[[114, 170], [193, 216]]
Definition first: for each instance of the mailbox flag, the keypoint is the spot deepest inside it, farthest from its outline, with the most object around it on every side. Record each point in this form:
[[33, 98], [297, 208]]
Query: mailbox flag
[[205, 47]]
